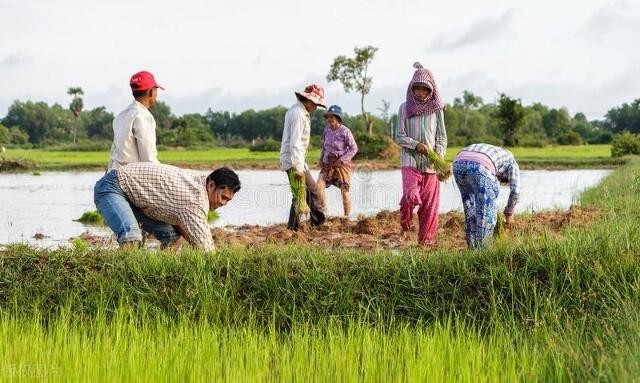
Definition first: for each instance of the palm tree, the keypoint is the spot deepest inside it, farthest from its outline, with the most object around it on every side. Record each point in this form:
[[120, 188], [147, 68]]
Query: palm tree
[[75, 107]]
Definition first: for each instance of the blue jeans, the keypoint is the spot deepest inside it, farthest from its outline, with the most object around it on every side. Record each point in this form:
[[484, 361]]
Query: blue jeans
[[479, 189], [123, 217]]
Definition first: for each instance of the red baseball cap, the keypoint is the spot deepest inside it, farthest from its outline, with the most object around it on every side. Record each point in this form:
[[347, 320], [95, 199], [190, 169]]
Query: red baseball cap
[[143, 81]]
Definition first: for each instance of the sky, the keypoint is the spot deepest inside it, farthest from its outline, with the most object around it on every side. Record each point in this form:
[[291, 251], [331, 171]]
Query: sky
[[251, 54]]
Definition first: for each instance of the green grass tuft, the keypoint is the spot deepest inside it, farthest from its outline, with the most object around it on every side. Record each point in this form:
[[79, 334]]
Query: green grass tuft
[[91, 218]]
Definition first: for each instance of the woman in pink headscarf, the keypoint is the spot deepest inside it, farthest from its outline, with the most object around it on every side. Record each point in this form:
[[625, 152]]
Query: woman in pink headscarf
[[420, 127]]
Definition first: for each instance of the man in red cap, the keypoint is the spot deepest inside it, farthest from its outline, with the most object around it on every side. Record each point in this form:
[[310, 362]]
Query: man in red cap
[[134, 129]]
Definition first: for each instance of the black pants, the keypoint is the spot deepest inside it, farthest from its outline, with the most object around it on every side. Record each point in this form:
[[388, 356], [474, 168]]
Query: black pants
[[314, 202]]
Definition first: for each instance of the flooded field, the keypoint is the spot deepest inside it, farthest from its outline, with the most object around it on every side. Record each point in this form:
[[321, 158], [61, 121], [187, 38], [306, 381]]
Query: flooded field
[[41, 209]]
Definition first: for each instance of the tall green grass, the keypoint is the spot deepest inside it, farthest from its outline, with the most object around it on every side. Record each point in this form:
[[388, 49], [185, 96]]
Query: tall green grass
[[128, 348]]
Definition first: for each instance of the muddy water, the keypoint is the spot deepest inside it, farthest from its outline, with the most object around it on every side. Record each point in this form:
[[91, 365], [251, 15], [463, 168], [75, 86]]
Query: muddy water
[[49, 203]]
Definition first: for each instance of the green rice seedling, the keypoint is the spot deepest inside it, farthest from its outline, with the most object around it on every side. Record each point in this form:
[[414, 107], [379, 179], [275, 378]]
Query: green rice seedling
[[80, 244], [91, 218], [212, 216], [299, 190], [131, 347], [442, 166], [500, 230]]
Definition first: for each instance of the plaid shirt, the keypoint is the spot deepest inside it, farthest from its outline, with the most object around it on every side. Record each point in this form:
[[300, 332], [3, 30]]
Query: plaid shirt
[[506, 169], [428, 129], [171, 195]]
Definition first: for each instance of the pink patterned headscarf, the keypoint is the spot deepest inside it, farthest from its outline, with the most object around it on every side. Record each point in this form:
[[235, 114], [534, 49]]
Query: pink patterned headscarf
[[433, 103]]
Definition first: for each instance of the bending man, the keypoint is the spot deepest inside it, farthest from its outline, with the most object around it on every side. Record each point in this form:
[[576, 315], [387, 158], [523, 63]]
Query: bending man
[[163, 196]]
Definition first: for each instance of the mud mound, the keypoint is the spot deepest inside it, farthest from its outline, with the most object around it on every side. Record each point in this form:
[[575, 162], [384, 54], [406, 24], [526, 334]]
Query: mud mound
[[454, 223], [383, 231], [10, 165], [366, 226]]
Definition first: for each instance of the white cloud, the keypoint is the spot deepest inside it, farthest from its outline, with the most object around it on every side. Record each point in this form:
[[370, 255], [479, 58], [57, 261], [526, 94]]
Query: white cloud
[[486, 29], [612, 18], [15, 60]]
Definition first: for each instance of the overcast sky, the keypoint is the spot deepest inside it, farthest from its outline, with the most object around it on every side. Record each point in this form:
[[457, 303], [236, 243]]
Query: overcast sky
[[236, 55]]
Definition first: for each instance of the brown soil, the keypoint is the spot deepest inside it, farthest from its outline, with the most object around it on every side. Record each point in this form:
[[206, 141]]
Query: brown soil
[[97, 241], [15, 165], [383, 231]]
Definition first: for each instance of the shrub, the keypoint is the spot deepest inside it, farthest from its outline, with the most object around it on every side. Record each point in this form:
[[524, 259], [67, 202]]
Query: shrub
[[315, 142], [83, 145], [625, 143], [570, 138], [376, 147], [268, 145], [235, 142], [531, 141]]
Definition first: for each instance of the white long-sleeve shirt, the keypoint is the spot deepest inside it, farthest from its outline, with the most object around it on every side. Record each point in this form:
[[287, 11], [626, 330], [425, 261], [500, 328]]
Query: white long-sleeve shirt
[[134, 137], [295, 138]]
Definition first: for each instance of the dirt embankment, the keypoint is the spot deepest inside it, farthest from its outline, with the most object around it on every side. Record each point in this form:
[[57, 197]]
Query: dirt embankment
[[15, 165], [383, 231], [380, 232]]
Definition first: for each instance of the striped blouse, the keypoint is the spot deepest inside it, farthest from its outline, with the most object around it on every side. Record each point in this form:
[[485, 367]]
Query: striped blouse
[[427, 129]]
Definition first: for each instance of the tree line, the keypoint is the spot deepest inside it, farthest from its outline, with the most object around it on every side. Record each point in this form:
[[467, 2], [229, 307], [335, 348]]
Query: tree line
[[468, 119]]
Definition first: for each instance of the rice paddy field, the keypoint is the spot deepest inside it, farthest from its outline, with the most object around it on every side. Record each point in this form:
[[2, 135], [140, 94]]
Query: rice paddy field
[[581, 156], [561, 306]]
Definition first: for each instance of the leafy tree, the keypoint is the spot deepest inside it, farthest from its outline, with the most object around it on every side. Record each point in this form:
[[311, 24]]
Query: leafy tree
[[189, 130], [75, 107], [42, 123], [252, 124], [218, 122], [352, 73], [98, 123], [18, 137], [556, 123], [624, 118], [532, 133], [5, 135], [162, 114], [385, 114], [468, 103], [13, 136], [510, 115]]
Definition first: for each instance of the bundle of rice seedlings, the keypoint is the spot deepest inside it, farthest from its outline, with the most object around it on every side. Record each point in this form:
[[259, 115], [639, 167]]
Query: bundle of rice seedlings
[[91, 218], [441, 166], [299, 190], [501, 226]]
